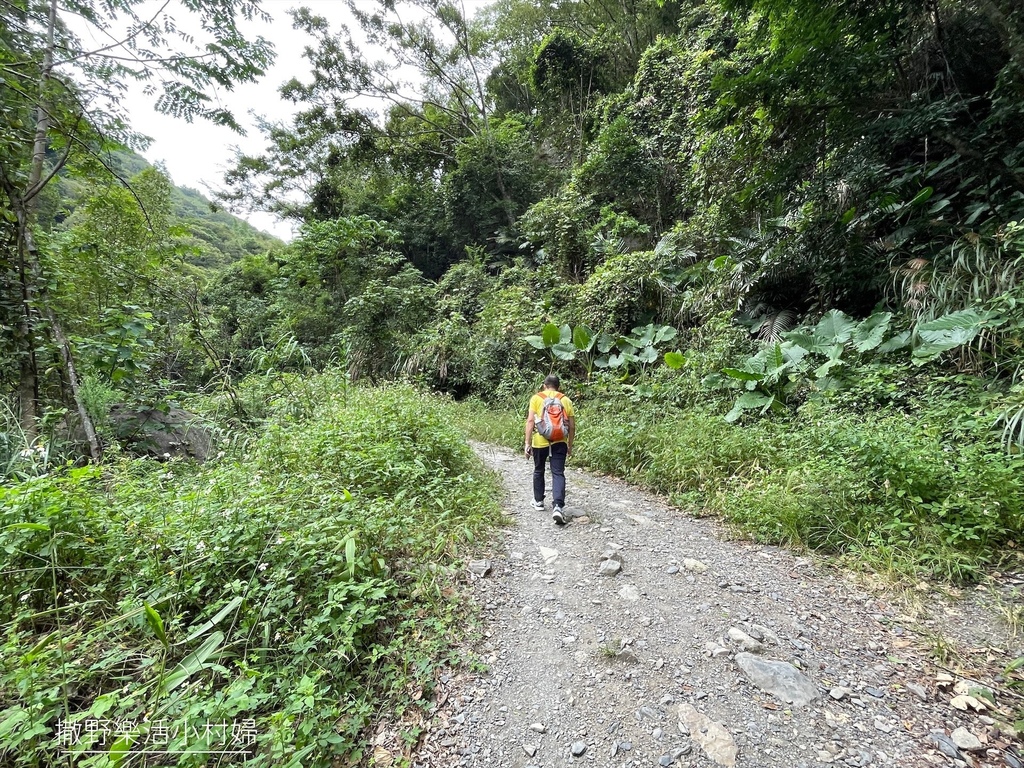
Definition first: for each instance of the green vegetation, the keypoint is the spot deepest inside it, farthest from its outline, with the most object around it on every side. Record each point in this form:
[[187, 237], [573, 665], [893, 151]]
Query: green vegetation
[[775, 248], [302, 580]]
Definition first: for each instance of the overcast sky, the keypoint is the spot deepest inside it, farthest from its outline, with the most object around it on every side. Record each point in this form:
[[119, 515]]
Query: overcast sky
[[197, 154]]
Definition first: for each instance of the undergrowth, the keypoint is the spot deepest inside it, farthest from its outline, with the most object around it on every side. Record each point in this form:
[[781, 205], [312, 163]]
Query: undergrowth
[[296, 587]]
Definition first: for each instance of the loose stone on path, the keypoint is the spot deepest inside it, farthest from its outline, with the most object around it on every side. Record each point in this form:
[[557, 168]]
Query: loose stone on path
[[778, 678]]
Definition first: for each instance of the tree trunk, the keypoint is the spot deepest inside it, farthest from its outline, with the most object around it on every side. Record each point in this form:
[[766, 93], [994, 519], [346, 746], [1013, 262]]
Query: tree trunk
[[33, 285], [28, 388]]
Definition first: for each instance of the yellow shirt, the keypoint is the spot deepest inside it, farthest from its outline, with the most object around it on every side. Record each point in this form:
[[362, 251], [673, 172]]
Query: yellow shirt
[[537, 405]]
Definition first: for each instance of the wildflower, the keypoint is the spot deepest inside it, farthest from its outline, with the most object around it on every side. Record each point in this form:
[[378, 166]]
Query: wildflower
[[262, 567]]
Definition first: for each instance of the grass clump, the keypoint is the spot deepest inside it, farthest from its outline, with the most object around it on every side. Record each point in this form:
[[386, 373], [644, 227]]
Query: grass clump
[[884, 487], [301, 587]]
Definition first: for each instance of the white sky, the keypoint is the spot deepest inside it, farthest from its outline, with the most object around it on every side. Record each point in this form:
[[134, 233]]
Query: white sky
[[197, 154]]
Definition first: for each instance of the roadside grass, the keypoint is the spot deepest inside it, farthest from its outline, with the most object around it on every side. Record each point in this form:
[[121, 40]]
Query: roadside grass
[[297, 587]]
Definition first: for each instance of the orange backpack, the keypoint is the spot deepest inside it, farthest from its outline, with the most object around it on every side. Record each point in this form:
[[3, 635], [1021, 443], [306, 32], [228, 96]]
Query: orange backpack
[[552, 424]]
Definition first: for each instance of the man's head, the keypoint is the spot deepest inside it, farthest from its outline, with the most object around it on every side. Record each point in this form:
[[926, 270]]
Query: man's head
[[552, 382]]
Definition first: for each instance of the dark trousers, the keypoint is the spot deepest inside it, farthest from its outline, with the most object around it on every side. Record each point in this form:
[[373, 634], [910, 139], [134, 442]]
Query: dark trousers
[[557, 452]]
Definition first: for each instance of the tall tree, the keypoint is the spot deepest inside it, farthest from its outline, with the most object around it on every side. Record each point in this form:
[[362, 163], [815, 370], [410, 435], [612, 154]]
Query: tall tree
[[63, 100]]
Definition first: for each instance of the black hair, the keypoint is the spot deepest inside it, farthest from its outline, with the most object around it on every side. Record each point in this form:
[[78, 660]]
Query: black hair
[[552, 382]]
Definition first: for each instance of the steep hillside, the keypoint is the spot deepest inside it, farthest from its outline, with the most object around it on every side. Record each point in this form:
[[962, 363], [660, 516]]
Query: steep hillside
[[219, 237]]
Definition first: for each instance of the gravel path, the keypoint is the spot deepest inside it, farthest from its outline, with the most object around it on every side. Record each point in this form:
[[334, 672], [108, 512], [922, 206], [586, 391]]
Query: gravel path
[[643, 667]]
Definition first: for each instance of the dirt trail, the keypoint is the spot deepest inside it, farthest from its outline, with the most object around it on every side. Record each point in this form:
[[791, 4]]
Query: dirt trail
[[599, 670]]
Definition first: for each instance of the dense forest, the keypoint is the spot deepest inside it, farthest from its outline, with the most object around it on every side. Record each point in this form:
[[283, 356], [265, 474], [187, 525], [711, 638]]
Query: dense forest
[[774, 248]]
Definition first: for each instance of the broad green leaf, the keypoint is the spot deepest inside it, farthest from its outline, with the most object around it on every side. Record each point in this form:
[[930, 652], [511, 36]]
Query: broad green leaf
[[208, 625], [194, 662], [675, 360], [834, 328], [923, 196], [583, 338], [155, 622], [550, 334], [965, 318], [822, 371], [848, 216], [564, 351], [535, 341], [121, 748], [665, 333], [605, 343], [794, 353], [748, 401], [948, 332], [627, 344], [805, 341], [870, 332], [565, 335], [899, 341], [38, 647], [643, 335], [647, 355], [937, 342]]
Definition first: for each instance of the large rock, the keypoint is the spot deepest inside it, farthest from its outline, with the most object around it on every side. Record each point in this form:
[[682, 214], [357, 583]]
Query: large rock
[[778, 678], [710, 736], [175, 433]]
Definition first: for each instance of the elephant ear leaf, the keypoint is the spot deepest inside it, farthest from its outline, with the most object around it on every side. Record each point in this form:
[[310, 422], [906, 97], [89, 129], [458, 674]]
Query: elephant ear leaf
[[551, 335], [834, 328], [948, 332], [665, 333], [583, 338], [564, 351], [749, 401], [534, 341], [675, 360], [868, 334]]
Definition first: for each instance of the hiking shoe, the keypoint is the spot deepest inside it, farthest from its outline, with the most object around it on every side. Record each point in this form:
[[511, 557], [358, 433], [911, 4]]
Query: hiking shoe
[[538, 505], [558, 516]]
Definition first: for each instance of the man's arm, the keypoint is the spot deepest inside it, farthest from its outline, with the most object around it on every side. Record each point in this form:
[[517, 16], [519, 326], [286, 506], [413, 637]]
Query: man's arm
[[572, 434], [528, 446]]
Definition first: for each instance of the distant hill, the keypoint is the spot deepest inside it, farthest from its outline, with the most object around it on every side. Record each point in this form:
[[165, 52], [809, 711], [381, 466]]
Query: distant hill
[[222, 237], [219, 237]]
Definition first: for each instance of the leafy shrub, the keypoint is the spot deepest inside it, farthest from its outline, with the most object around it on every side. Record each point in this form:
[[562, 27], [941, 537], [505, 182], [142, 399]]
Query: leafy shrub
[[302, 584]]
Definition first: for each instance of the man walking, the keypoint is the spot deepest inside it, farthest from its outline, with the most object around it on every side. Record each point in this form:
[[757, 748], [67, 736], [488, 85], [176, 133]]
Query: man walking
[[550, 430]]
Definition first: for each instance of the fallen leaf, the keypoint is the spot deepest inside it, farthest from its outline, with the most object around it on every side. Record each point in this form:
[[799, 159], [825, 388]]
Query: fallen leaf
[[965, 703]]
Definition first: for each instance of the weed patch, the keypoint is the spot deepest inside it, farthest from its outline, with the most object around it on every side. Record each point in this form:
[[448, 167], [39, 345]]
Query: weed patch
[[297, 588]]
